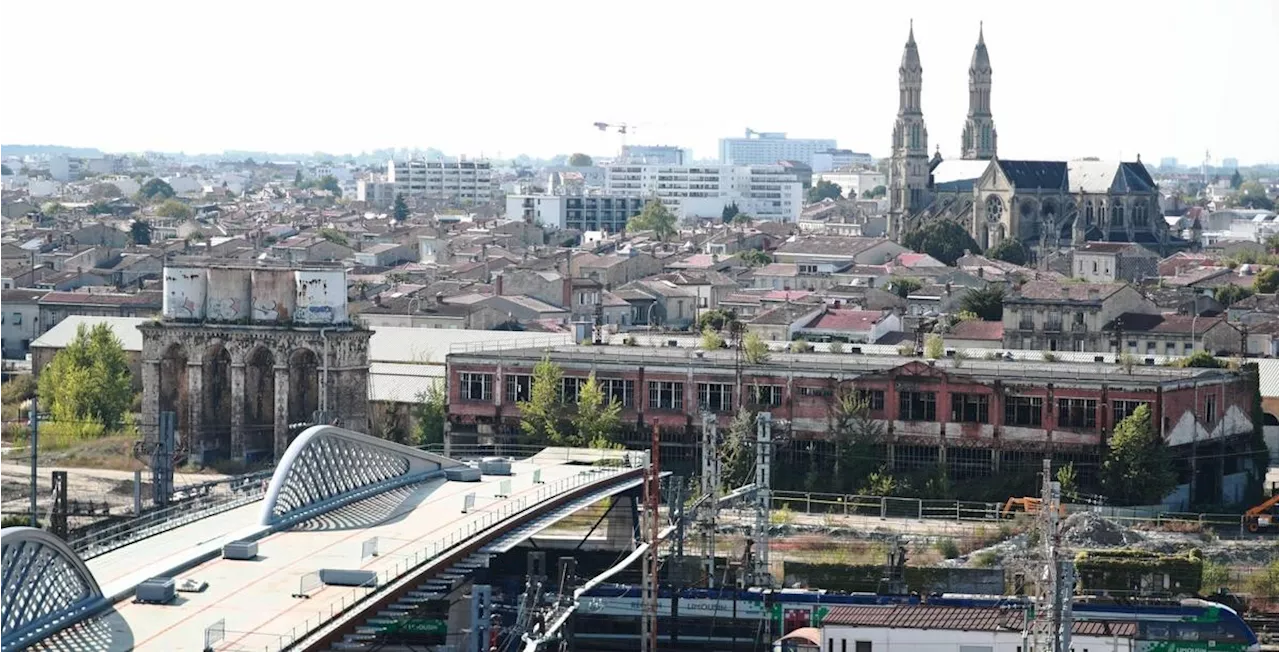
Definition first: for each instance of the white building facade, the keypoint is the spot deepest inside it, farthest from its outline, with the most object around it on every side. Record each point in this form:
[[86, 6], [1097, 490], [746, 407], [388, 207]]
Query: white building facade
[[853, 182], [654, 155], [767, 192], [464, 182], [834, 159], [607, 213], [770, 147]]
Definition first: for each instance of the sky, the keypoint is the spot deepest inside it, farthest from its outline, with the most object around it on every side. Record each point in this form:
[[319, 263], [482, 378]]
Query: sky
[[1106, 78]]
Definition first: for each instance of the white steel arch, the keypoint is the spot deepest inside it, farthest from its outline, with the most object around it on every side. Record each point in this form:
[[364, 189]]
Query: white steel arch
[[328, 466], [46, 587]]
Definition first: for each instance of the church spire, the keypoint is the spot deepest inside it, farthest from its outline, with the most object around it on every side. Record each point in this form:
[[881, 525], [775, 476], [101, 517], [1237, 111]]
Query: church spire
[[979, 138], [909, 163]]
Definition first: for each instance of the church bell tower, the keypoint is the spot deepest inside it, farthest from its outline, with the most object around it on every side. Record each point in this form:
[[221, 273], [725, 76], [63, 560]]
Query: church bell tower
[[979, 140], [909, 164]]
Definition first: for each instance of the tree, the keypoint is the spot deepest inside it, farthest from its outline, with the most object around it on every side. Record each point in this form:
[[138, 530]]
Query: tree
[[715, 318], [88, 380], [1236, 180], [1253, 195], [878, 191], [654, 217], [711, 340], [52, 208], [737, 450], [824, 190], [104, 191], [934, 347], [430, 415], [330, 183], [400, 209], [1229, 294], [597, 419], [1066, 477], [1202, 360], [540, 416], [1266, 281], [580, 160], [742, 220], [987, 303], [729, 211], [175, 209], [297, 178], [904, 286], [855, 435], [754, 349], [1010, 251], [1137, 469], [334, 236], [155, 189], [99, 208], [943, 239], [754, 257], [140, 232]]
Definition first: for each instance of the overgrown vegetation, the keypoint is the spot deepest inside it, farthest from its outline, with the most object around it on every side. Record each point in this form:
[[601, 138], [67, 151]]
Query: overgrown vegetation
[[1137, 469], [754, 349], [86, 389]]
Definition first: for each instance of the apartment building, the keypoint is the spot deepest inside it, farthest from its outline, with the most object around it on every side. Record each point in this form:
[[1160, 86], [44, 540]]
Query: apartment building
[[834, 159], [765, 147], [583, 212], [1050, 316], [462, 182], [655, 155], [766, 192]]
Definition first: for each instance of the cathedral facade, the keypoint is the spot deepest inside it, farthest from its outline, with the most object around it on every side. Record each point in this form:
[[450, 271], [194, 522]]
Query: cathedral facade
[[1044, 204]]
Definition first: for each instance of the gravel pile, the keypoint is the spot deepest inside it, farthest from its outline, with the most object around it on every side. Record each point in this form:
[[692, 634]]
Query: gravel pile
[[1088, 530]]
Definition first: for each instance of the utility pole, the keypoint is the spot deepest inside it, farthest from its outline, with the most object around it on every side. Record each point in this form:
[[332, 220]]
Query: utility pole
[[649, 564], [1053, 618], [760, 528], [711, 490], [35, 454]]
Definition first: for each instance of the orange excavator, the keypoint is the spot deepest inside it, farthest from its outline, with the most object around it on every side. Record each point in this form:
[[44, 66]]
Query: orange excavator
[[1029, 504], [1262, 516]]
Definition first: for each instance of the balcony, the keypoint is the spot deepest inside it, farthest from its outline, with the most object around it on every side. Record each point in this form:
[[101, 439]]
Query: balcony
[[1053, 327], [1079, 328], [1027, 325]]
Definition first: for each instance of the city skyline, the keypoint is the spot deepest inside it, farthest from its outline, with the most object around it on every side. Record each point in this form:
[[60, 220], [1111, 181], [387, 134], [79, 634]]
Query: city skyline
[[1132, 90]]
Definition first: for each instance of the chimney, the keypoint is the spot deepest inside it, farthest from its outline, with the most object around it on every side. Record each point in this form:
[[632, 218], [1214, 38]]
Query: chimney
[[377, 299], [948, 287], [566, 294], [497, 282]]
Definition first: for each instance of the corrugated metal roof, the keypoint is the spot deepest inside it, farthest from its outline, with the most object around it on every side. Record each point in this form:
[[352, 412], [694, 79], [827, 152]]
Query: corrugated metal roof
[[402, 383], [125, 328], [431, 345], [1269, 377]]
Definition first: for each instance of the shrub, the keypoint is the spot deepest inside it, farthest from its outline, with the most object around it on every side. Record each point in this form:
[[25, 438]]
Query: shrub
[[801, 345], [947, 548], [17, 520], [19, 389], [836, 347], [1262, 583], [984, 559], [934, 347], [1049, 357], [1214, 576], [907, 350], [782, 515], [959, 358]]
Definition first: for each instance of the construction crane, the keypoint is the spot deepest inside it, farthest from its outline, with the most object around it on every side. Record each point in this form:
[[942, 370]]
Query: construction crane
[[622, 129]]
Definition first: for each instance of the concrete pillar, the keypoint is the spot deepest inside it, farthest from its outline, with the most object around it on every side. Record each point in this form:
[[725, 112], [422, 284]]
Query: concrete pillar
[[995, 461], [150, 399], [194, 419], [282, 411], [237, 411]]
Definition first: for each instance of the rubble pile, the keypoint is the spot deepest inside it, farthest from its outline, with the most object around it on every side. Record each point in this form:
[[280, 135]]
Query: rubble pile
[[1089, 530]]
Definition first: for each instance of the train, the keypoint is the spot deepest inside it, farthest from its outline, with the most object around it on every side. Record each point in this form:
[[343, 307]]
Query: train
[[608, 617]]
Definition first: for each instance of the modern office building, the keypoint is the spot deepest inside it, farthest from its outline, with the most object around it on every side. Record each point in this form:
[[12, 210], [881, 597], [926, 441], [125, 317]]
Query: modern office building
[[768, 147], [655, 155], [583, 212], [766, 192], [464, 182], [836, 159]]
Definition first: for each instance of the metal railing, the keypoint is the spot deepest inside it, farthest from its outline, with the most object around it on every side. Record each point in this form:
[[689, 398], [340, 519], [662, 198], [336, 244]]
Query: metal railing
[[407, 563]]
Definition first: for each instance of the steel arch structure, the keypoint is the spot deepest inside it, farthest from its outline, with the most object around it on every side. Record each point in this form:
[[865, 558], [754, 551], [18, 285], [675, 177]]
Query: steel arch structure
[[46, 587], [327, 466]]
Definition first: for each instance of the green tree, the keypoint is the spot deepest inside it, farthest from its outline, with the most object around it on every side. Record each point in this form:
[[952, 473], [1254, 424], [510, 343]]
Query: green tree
[[1137, 469], [1236, 180], [400, 209], [429, 413], [836, 346], [855, 435], [1266, 281], [824, 190], [1010, 251], [878, 191], [335, 236], [904, 286], [711, 340], [715, 318], [580, 160], [330, 183], [88, 380], [155, 189], [754, 257], [728, 212], [297, 178], [654, 217], [99, 208], [598, 416], [1229, 294], [1066, 477], [742, 220], [541, 416], [52, 208], [1252, 194], [1201, 359], [104, 191], [174, 209], [945, 240], [140, 232], [934, 347], [754, 349], [987, 303], [737, 450]]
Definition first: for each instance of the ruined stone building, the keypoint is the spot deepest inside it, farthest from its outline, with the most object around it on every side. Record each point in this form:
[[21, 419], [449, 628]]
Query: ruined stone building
[[244, 355]]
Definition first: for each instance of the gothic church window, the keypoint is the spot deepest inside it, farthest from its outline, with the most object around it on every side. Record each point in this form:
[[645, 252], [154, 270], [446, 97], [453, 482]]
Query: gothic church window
[[1140, 213], [1117, 213], [1088, 212], [994, 208]]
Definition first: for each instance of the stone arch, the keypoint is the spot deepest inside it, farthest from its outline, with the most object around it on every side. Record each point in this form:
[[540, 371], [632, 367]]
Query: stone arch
[[259, 402], [173, 389], [216, 400], [304, 385], [1088, 212]]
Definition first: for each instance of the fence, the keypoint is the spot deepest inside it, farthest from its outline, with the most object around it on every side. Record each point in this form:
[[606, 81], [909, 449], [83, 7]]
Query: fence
[[810, 503]]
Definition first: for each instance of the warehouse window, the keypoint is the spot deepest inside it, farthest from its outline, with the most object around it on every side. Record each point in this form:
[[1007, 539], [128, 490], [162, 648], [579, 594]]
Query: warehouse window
[[665, 395], [616, 389], [1022, 410], [518, 387], [969, 408], [1122, 408], [715, 397], [1077, 413], [767, 395], [872, 398], [917, 406], [475, 387], [569, 387]]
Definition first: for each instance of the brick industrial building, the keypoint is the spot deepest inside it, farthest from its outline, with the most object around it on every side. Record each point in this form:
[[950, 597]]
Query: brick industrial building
[[973, 418]]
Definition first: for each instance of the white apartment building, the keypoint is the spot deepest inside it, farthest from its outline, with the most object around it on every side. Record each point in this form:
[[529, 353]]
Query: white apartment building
[[767, 192], [376, 192], [463, 182], [852, 182], [770, 147], [654, 155], [834, 159], [608, 213]]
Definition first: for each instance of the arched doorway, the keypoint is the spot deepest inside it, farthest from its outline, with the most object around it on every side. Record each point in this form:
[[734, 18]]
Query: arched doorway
[[173, 390], [259, 404], [304, 387], [217, 403]]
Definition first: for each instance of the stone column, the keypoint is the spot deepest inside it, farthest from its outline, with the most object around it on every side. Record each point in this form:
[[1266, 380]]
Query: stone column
[[282, 411], [237, 411], [150, 399], [194, 418]]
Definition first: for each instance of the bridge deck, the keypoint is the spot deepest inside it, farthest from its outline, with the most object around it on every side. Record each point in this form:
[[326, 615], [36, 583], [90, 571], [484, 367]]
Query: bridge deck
[[255, 597]]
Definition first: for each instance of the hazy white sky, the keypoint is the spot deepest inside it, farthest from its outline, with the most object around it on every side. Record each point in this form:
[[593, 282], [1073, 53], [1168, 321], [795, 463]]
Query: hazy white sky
[[1084, 78]]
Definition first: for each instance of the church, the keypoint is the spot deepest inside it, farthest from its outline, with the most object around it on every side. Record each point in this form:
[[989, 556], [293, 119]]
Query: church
[[1046, 205]]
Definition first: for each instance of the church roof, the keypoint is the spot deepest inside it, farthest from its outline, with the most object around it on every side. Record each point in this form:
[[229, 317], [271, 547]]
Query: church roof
[[958, 174], [1028, 175], [1109, 176]]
